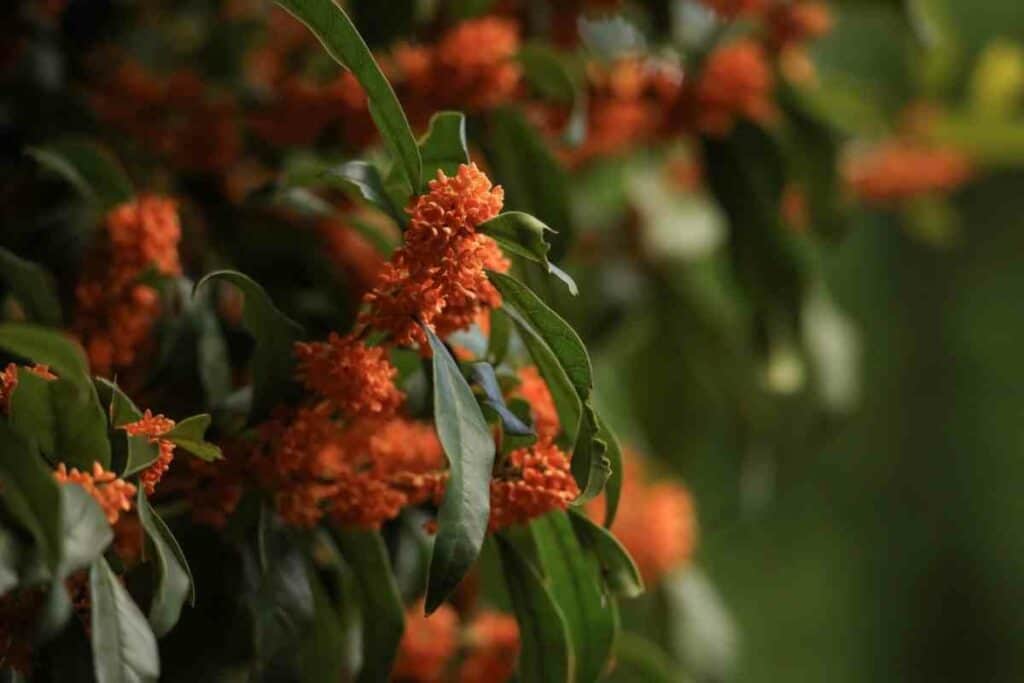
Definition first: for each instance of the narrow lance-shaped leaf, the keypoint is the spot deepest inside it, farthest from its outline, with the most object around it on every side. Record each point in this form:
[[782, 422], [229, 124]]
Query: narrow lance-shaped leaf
[[275, 334], [30, 494], [174, 582], [381, 603], [523, 235], [613, 487], [332, 26], [123, 646], [33, 287], [546, 655], [469, 446], [576, 585], [90, 168], [590, 466], [484, 377], [619, 570]]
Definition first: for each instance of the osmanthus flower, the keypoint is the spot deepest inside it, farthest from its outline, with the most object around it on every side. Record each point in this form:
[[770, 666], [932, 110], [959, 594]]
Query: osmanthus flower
[[534, 390], [114, 495], [898, 170], [115, 312], [492, 639], [794, 23], [529, 483], [657, 524], [428, 645], [474, 64], [9, 381], [735, 83], [437, 276], [154, 426], [357, 379]]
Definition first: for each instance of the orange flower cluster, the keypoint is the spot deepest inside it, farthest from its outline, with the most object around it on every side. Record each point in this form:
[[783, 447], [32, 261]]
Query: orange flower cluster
[[736, 82], [658, 525], [358, 380], [427, 645], [793, 23], [530, 483], [430, 647], [115, 312], [114, 495], [177, 117], [472, 66], [359, 474], [438, 276], [901, 169], [154, 426], [9, 381]]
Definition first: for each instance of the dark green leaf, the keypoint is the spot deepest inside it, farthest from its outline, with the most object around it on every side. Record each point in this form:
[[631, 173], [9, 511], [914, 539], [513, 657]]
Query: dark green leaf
[[81, 425], [31, 494], [613, 487], [462, 519], [641, 660], [498, 339], [365, 178], [323, 651], [174, 582], [275, 334], [523, 235], [91, 169], [483, 376], [620, 572], [86, 532], [190, 435], [123, 646], [48, 347], [328, 21], [11, 554], [31, 410], [575, 583], [381, 606], [33, 287], [131, 454], [546, 655], [444, 146], [590, 466]]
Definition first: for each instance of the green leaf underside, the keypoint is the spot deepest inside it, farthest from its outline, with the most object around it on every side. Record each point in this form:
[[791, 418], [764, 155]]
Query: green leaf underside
[[174, 582], [86, 533], [546, 654], [274, 333], [49, 347], [619, 571], [124, 648], [444, 146], [332, 26], [469, 447], [33, 287], [380, 600], [576, 585], [90, 168]]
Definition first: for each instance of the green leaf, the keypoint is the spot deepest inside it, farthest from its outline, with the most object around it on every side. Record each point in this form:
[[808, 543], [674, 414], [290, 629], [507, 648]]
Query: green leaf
[[31, 495], [81, 425], [275, 334], [365, 179], [90, 168], [33, 287], [130, 454], [469, 446], [613, 487], [559, 335], [575, 583], [381, 603], [546, 655], [48, 347], [444, 146], [86, 533], [619, 570], [498, 340], [31, 410], [11, 553], [174, 582], [483, 376], [123, 646], [523, 235], [590, 467], [190, 435], [323, 655], [328, 21]]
